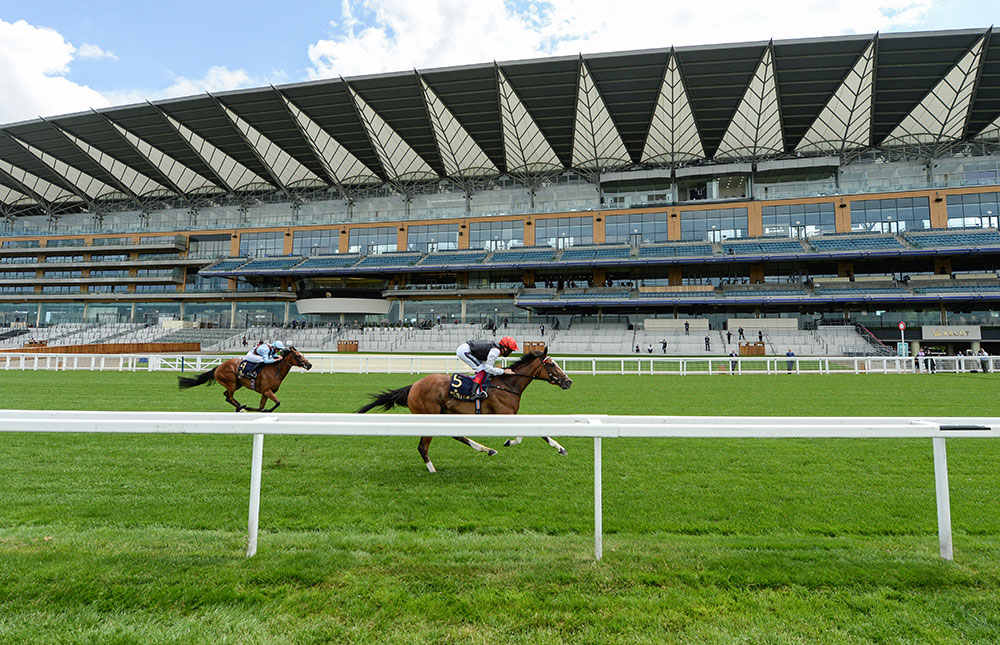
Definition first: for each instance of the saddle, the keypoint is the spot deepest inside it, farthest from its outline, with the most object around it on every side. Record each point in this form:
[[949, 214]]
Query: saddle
[[462, 387], [245, 370]]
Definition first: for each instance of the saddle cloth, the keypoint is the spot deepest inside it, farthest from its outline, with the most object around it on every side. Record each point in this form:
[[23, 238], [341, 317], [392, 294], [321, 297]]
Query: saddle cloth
[[462, 387], [242, 370]]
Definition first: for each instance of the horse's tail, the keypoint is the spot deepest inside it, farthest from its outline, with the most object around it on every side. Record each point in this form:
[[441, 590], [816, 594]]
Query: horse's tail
[[388, 399], [184, 383]]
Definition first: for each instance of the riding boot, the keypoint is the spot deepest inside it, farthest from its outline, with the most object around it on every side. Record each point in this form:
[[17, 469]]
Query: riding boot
[[481, 384]]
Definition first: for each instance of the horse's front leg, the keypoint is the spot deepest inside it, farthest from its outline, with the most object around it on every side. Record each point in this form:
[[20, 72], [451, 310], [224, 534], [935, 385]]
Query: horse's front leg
[[232, 399], [477, 446], [264, 396], [512, 442], [555, 444]]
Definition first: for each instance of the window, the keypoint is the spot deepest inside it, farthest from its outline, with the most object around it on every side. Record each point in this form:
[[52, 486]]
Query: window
[[975, 210], [262, 244], [324, 242], [432, 237], [208, 246], [635, 228], [496, 235], [371, 240], [713, 225], [798, 220], [561, 232], [892, 216]]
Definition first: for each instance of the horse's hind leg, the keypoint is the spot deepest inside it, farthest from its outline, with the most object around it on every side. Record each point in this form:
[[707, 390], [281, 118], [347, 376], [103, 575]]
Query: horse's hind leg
[[512, 442], [477, 446], [232, 399], [555, 444], [425, 442]]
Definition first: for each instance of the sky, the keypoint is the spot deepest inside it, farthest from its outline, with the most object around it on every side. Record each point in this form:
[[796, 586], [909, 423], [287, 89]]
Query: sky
[[59, 57]]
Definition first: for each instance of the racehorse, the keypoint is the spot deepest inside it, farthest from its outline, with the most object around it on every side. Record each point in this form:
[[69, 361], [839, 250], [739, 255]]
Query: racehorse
[[267, 382], [430, 395]]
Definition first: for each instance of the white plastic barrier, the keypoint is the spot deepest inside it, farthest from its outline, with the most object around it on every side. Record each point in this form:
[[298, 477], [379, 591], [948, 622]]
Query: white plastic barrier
[[429, 363], [597, 427]]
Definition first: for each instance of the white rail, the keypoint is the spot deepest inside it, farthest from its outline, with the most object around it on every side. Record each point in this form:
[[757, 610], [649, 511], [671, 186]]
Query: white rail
[[596, 426], [425, 363]]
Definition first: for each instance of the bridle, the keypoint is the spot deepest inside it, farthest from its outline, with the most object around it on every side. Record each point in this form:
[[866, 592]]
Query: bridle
[[548, 378]]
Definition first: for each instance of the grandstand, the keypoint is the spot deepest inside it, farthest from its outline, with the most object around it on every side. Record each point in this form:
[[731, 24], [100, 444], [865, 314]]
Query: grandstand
[[332, 203]]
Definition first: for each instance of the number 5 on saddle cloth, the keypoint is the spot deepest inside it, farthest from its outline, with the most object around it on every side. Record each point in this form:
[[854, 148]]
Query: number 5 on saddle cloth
[[464, 388]]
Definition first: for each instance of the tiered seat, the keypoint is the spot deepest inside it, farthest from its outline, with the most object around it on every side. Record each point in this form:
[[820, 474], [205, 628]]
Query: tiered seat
[[861, 291], [959, 288], [763, 293], [854, 243], [757, 247], [595, 253], [330, 262], [595, 294], [466, 257], [389, 260], [228, 265], [673, 250], [962, 240], [677, 294], [270, 264], [524, 254]]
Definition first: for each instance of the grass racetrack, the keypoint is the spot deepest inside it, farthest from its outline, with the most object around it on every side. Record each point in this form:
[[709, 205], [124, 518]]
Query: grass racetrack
[[140, 538]]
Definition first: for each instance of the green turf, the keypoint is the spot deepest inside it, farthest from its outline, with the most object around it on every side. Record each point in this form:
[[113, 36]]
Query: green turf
[[135, 538]]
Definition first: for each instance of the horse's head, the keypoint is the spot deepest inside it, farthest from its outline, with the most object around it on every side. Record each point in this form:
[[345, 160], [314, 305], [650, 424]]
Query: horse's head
[[541, 366], [296, 358]]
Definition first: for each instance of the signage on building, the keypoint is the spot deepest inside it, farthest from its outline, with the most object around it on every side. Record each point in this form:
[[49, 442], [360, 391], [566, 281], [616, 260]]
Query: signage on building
[[951, 332]]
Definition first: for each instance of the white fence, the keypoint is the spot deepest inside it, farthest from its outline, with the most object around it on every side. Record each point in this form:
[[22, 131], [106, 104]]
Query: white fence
[[426, 363], [596, 426]]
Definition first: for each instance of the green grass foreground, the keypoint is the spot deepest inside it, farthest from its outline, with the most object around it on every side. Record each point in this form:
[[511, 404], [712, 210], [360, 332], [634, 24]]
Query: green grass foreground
[[136, 538]]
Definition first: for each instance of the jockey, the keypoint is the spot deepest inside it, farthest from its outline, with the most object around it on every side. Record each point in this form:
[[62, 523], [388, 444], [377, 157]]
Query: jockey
[[263, 354], [480, 355]]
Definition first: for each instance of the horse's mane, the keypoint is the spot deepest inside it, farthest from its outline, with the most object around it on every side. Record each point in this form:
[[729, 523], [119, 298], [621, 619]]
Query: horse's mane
[[527, 358]]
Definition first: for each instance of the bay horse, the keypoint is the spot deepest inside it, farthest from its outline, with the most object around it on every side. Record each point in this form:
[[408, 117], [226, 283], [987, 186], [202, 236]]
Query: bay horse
[[268, 379], [430, 395]]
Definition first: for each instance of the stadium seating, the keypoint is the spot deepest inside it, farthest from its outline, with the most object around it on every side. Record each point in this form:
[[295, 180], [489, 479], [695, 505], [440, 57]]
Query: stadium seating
[[227, 265], [269, 264], [860, 291], [673, 250], [955, 240], [389, 260], [854, 243], [466, 257], [959, 288], [523, 254], [590, 254], [760, 247], [328, 262]]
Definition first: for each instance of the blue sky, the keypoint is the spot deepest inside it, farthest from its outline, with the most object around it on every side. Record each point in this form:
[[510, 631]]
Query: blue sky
[[58, 56]]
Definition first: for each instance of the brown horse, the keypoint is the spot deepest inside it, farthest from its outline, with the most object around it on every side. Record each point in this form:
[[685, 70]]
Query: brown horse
[[268, 379], [430, 395]]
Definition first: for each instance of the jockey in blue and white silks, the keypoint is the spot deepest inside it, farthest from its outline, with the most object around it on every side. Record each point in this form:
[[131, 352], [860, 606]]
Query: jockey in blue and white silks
[[263, 354], [481, 355]]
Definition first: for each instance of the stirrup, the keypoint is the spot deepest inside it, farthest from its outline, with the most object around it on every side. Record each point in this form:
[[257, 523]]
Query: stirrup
[[481, 393]]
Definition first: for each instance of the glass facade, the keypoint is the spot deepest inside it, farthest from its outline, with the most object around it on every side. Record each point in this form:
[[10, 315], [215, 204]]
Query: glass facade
[[561, 232], [974, 210], [638, 228], [496, 235], [323, 242], [892, 216], [209, 246], [372, 240], [262, 244], [713, 225], [798, 220], [432, 237]]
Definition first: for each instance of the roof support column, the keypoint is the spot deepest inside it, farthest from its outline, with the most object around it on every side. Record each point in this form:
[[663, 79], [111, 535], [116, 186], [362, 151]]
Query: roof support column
[[939, 211]]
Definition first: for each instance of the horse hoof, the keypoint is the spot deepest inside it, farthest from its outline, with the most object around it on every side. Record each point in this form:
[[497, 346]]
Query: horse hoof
[[491, 452], [507, 444], [562, 451]]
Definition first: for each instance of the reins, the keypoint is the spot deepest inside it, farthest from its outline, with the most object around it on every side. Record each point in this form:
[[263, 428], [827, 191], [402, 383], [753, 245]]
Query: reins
[[531, 377]]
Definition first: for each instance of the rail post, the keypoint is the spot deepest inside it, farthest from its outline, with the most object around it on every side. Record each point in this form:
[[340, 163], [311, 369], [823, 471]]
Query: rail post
[[255, 468], [943, 500]]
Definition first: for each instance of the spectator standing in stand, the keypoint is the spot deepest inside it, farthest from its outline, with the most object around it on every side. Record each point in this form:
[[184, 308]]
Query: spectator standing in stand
[[791, 364], [687, 328], [729, 337], [664, 345], [741, 336], [649, 349], [708, 343], [760, 336]]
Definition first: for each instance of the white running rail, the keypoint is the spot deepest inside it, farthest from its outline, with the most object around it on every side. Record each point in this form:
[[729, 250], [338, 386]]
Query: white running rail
[[597, 427]]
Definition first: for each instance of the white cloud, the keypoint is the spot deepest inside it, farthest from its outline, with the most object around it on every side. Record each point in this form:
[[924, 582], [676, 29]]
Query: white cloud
[[34, 62], [392, 35], [216, 79], [86, 50]]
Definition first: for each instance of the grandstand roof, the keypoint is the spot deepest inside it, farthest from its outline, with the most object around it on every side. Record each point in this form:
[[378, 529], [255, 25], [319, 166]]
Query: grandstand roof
[[666, 107]]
